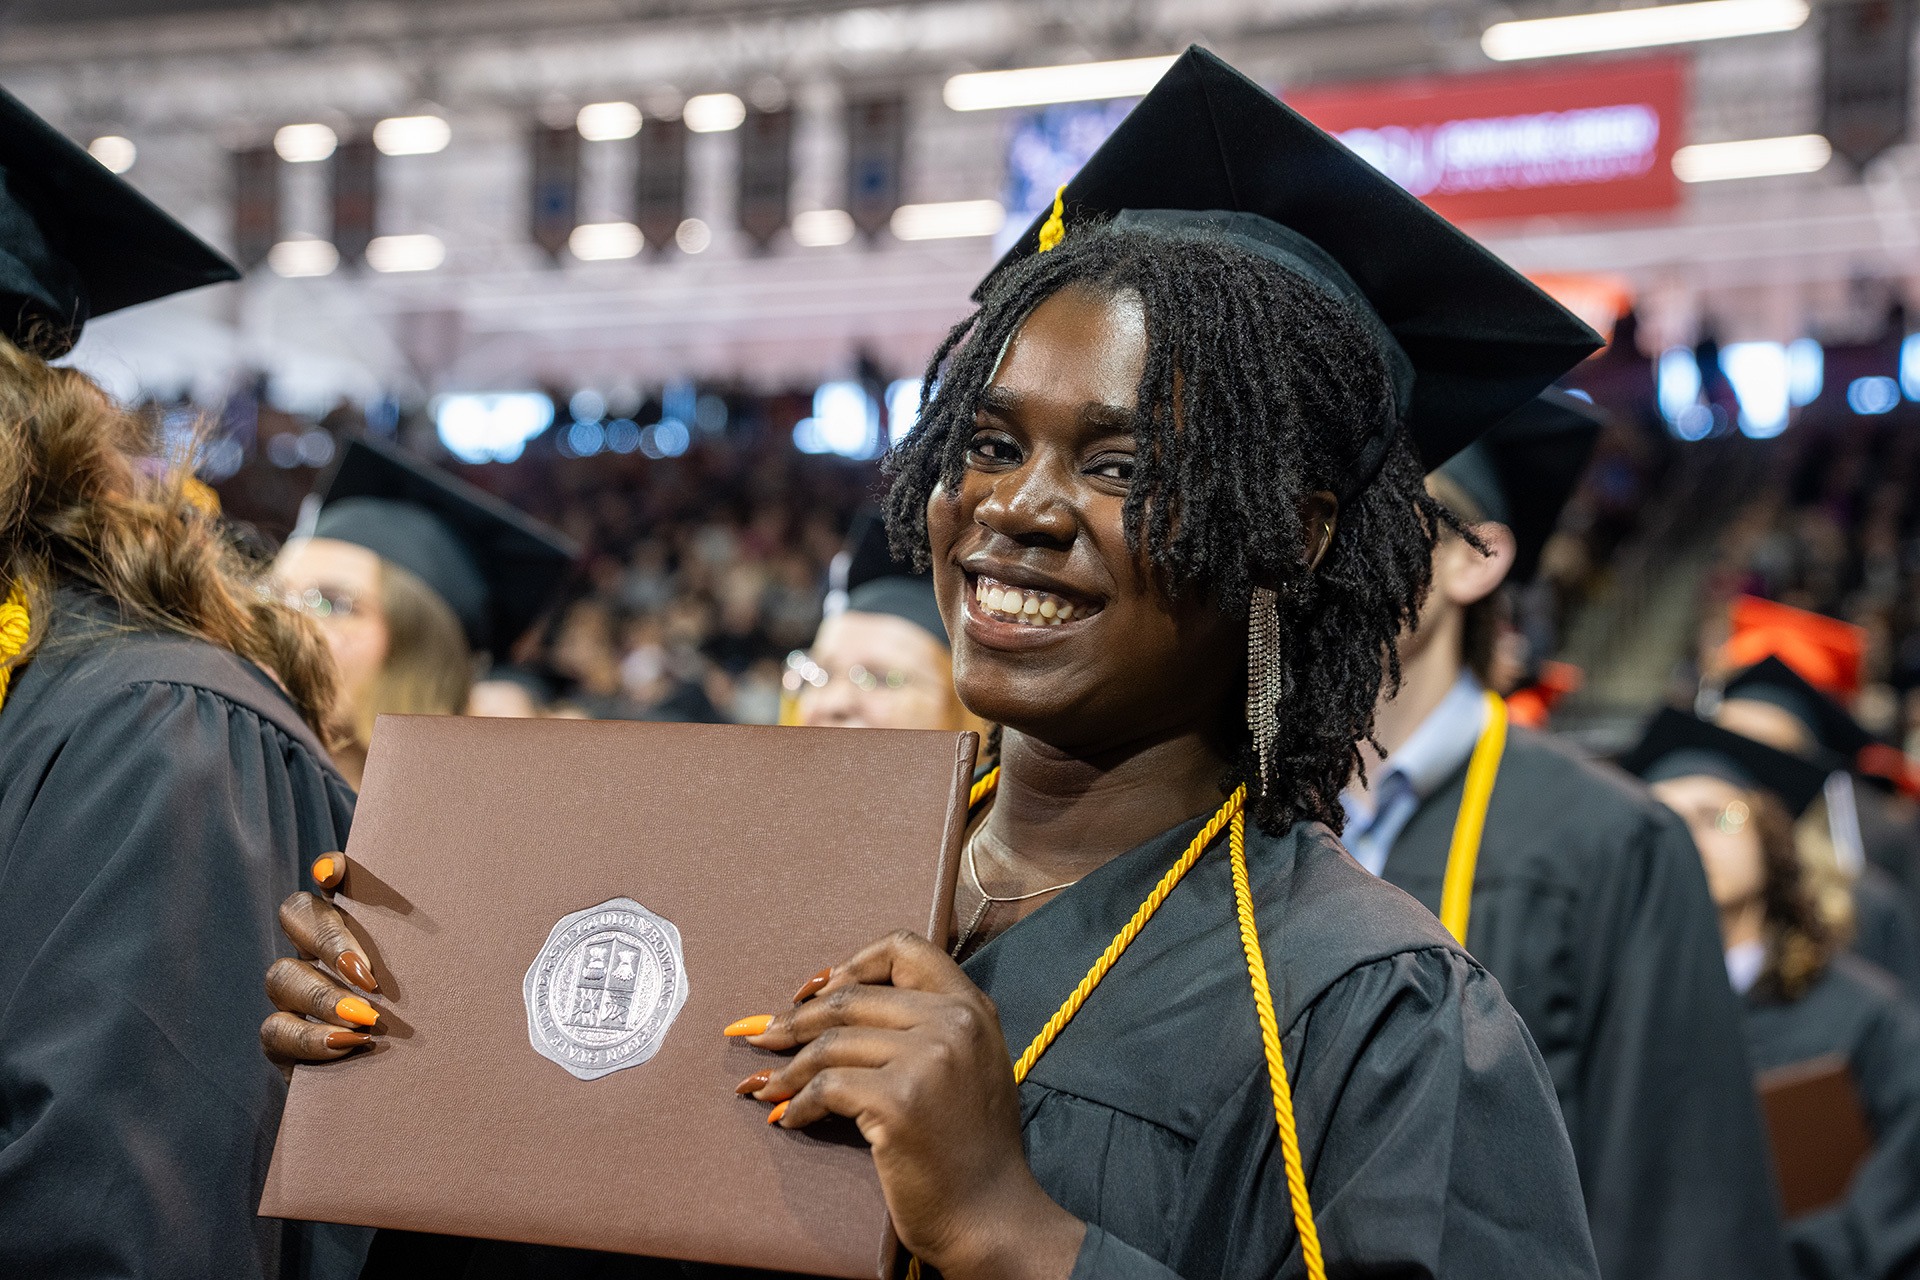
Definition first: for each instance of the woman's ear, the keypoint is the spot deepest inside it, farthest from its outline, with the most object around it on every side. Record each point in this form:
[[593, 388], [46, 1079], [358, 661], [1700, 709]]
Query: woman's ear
[[1468, 577], [1319, 515]]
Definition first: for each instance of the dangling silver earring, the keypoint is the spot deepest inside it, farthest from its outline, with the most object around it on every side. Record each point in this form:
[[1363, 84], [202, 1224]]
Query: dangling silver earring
[[1264, 679]]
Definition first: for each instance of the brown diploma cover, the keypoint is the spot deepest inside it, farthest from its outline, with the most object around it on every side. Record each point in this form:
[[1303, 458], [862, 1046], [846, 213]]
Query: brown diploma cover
[[769, 851], [1817, 1129]]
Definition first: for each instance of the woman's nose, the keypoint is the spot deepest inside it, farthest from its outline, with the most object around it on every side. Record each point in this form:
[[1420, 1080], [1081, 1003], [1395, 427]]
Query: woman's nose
[[1030, 505]]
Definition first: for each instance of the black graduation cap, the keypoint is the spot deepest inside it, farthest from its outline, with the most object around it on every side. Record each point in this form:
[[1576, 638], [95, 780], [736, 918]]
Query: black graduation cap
[[1209, 150], [495, 567], [77, 240], [1522, 471], [1774, 682], [1677, 745], [869, 579]]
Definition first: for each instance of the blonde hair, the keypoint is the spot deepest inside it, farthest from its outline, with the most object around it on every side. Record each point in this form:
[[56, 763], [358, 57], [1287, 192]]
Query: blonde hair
[[428, 668], [84, 499]]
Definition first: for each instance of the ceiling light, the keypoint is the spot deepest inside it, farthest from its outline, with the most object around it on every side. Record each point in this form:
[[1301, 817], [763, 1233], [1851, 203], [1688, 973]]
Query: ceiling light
[[818, 228], [1753, 158], [1640, 28], [1037, 86], [298, 258], [113, 151], [304, 143], [608, 121], [713, 112], [406, 253], [949, 221], [605, 241], [412, 135]]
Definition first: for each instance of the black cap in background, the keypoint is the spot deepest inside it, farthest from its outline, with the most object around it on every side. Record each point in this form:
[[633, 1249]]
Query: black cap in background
[[1209, 150], [495, 567], [1521, 473], [869, 580], [1829, 724], [1677, 745], [78, 241]]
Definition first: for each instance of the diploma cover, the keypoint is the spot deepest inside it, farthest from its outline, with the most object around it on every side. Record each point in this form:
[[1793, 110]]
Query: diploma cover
[[563, 915], [1817, 1129]]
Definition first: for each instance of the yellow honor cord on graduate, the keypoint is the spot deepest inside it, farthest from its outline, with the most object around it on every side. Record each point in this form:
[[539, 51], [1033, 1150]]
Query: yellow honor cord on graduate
[[1232, 815], [1054, 229], [1463, 855], [15, 625]]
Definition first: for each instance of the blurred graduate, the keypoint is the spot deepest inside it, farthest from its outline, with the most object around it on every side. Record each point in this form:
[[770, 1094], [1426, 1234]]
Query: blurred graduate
[[163, 777], [1851, 845], [415, 577], [1582, 895], [1804, 999], [881, 658]]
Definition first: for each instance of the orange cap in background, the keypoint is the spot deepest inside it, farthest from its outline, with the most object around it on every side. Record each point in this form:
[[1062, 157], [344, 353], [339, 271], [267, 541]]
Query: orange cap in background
[[1530, 705], [1827, 653]]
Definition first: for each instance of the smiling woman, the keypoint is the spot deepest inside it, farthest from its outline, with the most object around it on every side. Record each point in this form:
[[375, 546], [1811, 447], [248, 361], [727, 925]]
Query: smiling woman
[[1168, 482]]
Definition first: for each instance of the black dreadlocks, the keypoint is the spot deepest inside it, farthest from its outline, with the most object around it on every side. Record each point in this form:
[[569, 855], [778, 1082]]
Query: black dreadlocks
[[1279, 389]]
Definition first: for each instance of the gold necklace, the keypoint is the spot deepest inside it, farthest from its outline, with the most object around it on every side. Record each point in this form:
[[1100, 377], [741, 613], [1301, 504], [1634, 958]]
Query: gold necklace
[[988, 900]]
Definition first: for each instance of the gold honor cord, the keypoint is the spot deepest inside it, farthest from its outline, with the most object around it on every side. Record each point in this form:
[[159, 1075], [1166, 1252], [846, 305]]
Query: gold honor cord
[[1230, 814], [1463, 856], [15, 625]]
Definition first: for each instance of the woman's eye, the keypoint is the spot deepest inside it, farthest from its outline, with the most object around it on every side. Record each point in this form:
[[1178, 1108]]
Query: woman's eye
[[988, 447], [1113, 466]]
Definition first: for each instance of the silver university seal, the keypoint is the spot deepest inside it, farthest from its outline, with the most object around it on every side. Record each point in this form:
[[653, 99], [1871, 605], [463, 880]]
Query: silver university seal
[[605, 988]]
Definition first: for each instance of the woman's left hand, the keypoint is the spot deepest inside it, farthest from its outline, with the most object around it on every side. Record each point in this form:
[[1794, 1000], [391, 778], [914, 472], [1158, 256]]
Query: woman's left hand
[[898, 1039]]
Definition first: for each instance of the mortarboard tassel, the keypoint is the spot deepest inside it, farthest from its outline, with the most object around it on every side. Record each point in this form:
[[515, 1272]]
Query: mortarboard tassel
[[1054, 229]]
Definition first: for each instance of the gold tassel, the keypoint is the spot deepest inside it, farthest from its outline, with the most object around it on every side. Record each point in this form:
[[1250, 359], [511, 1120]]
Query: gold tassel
[[15, 624], [1054, 229]]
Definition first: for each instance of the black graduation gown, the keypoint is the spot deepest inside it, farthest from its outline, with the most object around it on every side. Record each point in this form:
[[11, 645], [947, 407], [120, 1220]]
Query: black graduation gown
[[1591, 908], [1885, 932], [1426, 1119], [1889, 837], [1855, 1010], [158, 798]]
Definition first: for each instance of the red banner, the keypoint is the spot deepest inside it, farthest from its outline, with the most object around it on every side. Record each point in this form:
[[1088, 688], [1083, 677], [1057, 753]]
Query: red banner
[[1592, 138]]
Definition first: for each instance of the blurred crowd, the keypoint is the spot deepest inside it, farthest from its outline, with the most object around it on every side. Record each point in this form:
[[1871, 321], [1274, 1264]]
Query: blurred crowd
[[701, 573]]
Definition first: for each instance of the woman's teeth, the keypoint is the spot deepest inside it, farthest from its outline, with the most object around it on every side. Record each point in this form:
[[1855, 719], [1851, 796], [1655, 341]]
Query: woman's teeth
[[1013, 604]]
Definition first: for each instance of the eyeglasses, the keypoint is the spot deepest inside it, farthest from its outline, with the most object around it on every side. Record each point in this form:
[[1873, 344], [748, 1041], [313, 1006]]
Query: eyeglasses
[[1733, 818], [318, 602], [804, 673]]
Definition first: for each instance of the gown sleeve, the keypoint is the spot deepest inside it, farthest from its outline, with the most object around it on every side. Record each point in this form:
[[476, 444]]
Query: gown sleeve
[[139, 895], [1672, 1150], [1431, 1136]]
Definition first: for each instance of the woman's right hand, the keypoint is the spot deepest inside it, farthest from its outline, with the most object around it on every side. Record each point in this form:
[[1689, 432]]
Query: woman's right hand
[[319, 1019]]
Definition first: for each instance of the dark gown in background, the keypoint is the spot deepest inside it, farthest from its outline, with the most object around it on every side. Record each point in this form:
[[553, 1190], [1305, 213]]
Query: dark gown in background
[[1885, 932], [158, 798], [1856, 1010], [1890, 837], [1591, 908], [1426, 1118]]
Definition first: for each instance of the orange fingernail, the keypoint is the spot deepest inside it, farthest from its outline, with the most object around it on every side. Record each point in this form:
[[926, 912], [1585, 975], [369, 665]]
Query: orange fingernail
[[755, 1082], [356, 1010], [347, 1039], [773, 1116], [753, 1026], [323, 870], [356, 971], [811, 987]]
